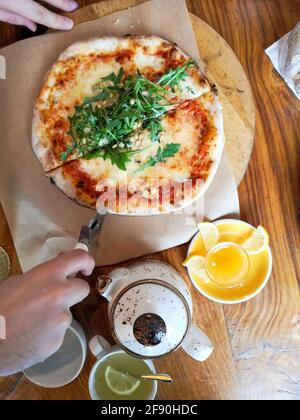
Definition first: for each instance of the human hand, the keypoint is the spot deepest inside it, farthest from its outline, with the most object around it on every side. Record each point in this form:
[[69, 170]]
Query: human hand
[[28, 13], [36, 307]]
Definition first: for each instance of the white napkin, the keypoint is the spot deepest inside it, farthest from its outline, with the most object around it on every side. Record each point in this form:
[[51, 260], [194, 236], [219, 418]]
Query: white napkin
[[285, 56]]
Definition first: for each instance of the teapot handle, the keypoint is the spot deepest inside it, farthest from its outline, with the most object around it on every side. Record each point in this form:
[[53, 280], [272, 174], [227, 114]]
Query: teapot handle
[[107, 286], [99, 346], [103, 284], [197, 344]]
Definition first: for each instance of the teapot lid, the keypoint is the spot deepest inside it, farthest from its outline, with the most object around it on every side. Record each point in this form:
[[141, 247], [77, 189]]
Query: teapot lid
[[150, 318]]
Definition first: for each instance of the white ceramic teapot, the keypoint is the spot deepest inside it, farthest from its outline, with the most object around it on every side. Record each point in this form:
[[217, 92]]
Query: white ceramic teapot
[[150, 311]]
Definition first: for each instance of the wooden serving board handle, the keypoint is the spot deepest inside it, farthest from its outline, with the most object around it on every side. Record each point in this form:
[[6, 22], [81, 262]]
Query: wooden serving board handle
[[223, 68]]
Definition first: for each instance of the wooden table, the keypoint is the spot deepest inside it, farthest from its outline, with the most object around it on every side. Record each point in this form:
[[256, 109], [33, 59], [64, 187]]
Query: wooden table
[[258, 343]]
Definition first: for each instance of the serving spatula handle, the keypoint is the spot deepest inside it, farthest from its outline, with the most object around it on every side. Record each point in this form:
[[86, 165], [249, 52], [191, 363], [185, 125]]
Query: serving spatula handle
[[88, 234], [82, 247]]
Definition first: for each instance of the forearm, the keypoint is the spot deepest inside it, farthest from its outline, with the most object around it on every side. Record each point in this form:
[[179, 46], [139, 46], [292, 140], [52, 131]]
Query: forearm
[[15, 355]]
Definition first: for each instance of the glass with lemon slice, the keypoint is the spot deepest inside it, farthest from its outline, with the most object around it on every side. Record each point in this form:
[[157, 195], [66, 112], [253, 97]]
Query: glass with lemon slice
[[117, 376], [229, 261]]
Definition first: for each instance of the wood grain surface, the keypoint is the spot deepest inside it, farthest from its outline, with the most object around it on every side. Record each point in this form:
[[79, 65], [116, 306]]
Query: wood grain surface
[[257, 343]]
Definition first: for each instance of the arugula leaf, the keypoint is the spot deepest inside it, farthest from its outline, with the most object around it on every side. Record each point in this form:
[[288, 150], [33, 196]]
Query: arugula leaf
[[137, 103], [155, 128], [170, 150], [120, 158], [95, 154], [174, 77], [117, 158], [64, 155], [115, 79], [100, 97], [120, 75], [162, 155]]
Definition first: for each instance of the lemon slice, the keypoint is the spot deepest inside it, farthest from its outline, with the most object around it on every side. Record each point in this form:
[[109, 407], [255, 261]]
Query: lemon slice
[[210, 234], [194, 262], [258, 241], [121, 383]]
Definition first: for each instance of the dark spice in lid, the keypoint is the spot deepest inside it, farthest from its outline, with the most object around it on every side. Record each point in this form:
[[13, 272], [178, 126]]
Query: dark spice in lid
[[149, 329]]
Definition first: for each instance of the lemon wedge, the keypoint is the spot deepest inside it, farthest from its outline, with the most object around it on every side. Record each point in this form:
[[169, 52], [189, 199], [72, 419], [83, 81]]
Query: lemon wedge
[[195, 263], [258, 241], [121, 383], [210, 234]]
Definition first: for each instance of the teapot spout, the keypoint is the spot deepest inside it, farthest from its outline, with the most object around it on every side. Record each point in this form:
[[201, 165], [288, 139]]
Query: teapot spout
[[197, 344]]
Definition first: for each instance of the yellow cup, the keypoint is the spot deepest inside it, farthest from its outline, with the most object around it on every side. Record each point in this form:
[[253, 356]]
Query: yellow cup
[[227, 265]]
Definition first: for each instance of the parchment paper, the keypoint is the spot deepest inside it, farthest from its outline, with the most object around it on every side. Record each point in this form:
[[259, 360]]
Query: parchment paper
[[44, 222]]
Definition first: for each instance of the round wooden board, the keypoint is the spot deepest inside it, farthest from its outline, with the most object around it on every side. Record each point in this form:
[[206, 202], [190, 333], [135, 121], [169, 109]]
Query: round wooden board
[[223, 68]]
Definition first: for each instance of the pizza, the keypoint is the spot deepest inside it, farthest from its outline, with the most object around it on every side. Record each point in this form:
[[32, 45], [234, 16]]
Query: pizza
[[130, 124]]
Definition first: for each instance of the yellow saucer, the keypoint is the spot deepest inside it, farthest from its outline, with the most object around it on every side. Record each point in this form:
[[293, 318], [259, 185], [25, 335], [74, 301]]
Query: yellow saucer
[[260, 266]]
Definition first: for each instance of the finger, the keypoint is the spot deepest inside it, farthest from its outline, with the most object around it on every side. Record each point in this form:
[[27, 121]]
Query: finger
[[75, 292], [37, 13], [66, 5], [15, 19], [65, 265], [74, 262]]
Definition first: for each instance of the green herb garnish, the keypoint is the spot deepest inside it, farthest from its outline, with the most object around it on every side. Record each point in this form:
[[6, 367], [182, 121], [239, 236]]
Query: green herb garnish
[[105, 124], [162, 155], [155, 128], [174, 77], [101, 97], [117, 157]]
